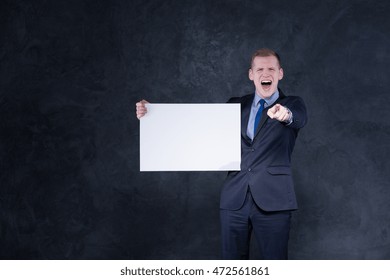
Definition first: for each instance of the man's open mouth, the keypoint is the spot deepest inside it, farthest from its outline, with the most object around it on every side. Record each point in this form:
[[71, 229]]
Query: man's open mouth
[[266, 83]]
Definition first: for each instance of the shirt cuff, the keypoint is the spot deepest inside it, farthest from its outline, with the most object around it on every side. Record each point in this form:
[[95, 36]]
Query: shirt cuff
[[290, 117]]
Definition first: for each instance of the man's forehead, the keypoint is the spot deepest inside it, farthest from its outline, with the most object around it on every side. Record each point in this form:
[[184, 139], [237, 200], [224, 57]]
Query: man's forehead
[[265, 62]]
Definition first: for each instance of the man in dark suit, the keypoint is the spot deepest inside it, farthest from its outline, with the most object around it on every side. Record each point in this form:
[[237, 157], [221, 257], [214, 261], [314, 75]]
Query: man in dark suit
[[260, 197]]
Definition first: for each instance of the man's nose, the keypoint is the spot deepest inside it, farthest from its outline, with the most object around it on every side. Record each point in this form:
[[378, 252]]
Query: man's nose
[[266, 73]]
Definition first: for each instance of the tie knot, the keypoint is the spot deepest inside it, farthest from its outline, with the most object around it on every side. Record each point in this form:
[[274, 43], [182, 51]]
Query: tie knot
[[262, 101]]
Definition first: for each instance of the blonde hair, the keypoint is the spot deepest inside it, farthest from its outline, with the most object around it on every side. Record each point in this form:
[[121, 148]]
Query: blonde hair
[[264, 52]]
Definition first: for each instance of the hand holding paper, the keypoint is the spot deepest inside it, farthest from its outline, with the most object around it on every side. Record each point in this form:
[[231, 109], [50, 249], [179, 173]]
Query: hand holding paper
[[141, 109]]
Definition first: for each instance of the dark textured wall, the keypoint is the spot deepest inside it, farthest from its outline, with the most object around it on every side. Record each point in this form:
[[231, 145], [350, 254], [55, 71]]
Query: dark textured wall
[[71, 72]]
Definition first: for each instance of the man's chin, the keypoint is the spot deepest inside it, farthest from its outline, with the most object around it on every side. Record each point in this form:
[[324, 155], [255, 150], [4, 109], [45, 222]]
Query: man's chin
[[266, 93]]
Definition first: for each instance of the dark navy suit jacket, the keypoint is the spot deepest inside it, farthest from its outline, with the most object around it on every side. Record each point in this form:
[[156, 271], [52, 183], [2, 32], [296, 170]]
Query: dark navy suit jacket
[[265, 161]]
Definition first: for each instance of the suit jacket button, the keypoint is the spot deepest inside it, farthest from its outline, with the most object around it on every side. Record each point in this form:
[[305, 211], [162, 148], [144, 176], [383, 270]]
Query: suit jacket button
[[253, 150], [249, 169]]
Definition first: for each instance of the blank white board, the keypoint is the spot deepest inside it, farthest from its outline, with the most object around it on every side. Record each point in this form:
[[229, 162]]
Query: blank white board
[[190, 137]]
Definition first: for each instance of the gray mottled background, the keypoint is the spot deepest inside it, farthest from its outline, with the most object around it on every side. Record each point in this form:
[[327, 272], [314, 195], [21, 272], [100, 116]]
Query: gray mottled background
[[71, 72]]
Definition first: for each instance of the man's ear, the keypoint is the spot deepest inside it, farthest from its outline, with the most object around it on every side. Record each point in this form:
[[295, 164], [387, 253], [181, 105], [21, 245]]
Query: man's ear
[[250, 74], [281, 73]]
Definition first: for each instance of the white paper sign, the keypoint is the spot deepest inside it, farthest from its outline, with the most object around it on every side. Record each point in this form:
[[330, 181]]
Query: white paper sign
[[190, 137]]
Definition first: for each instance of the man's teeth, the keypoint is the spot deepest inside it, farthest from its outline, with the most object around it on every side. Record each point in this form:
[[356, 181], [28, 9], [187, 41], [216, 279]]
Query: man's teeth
[[266, 82]]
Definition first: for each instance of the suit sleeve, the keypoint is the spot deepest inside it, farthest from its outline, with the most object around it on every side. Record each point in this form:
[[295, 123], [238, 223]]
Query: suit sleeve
[[298, 110], [234, 100]]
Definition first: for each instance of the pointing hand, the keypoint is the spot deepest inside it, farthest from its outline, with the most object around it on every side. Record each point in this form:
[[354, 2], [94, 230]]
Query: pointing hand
[[279, 113]]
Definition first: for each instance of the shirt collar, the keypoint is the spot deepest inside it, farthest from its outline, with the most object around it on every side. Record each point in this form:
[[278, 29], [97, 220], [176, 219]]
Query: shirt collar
[[268, 101]]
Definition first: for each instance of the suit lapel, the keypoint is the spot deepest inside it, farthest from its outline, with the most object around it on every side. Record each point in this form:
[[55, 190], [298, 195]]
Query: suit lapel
[[245, 112]]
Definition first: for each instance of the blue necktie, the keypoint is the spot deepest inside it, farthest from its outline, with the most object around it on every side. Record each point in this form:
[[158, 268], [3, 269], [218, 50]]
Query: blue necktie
[[258, 115]]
